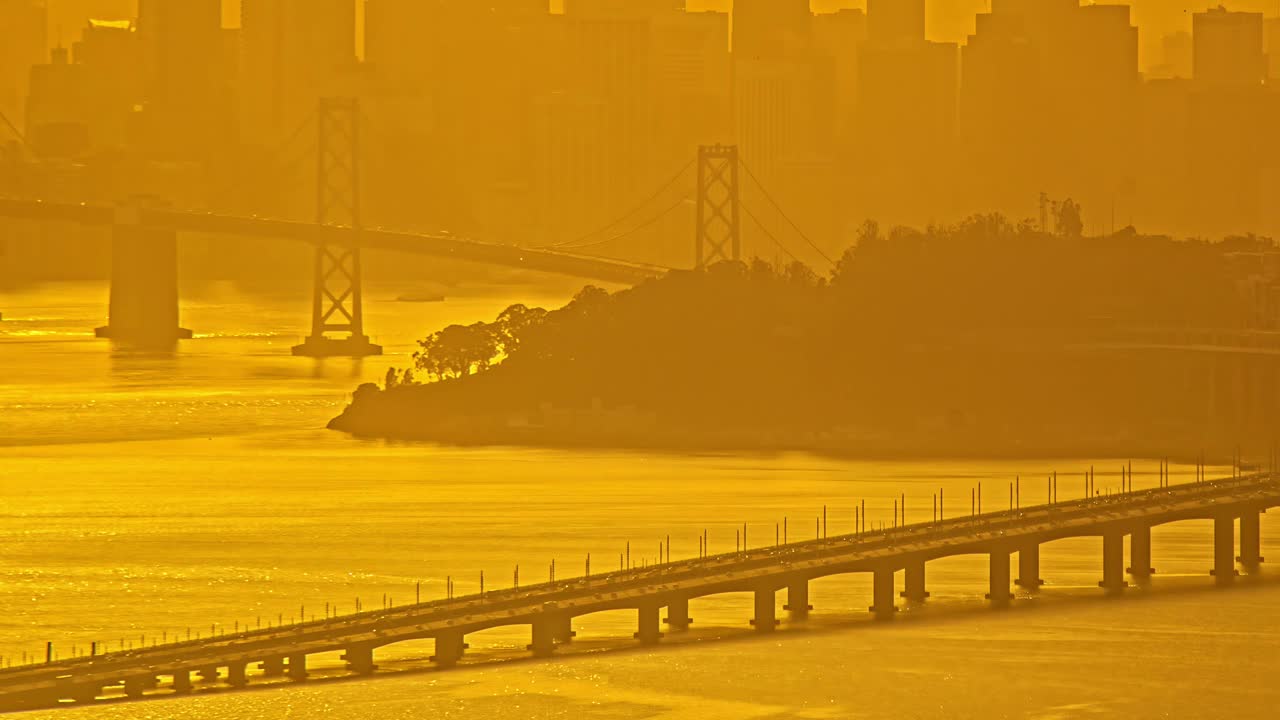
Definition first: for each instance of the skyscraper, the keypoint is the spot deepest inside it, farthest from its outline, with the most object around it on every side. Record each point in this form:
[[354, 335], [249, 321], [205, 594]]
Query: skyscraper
[[108, 50], [185, 76], [25, 29], [292, 53], [1046, 104], [765, 29], [1228, 48]]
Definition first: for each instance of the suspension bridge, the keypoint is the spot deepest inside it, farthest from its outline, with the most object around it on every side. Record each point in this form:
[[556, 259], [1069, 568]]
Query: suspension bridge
[[660, 593], [144, 232]]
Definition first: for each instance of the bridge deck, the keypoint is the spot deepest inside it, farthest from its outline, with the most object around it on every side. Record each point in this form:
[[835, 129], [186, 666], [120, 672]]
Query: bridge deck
[[763, 569], [441, 245]]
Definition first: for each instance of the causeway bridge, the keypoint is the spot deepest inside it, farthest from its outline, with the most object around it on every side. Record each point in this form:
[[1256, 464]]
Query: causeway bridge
[[660, 594]]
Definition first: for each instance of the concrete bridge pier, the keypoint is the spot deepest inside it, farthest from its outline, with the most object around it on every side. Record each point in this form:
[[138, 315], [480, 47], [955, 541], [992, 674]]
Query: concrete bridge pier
[[543, 640], [80, 693], [882, 594], [449, 649], [136, 687], [359, 659], [1251, 541], [999, 594], [1140, 555], [1224, 549], [1113, 563], [766, 617], [678, 619], [562, 630], [798, 600], [914, 588], [208, 674], [182, 681], [1029, 567], [144, 284], [298, 667], [650, 630], [236, 676], [272, 667]]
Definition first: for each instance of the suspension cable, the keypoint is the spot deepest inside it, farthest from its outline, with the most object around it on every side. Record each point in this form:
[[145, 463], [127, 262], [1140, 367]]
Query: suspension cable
[[783, 213]]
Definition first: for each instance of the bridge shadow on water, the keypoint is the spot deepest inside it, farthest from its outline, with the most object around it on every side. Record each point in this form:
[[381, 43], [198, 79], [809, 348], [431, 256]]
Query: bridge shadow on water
[[912, 615]]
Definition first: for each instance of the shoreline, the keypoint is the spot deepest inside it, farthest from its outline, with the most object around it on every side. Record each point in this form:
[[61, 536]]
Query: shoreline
[[896, 447]]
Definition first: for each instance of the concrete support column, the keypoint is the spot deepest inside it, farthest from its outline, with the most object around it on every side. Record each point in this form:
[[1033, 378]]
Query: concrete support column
[[182, 681], [562, 629], [449, 649], [1224, 549], [766, 619], [236, 675], [298, 667], [999, 594], [1251, 541], [144, 284], [650, 627], [1113, 563], [544, 640], [272, 667], [84, 693], [1029, 567], [882, 594], [1140, 555], [678, 619], [360, 659], [798, 600], [135, 687], [914, 589], [208, 674]]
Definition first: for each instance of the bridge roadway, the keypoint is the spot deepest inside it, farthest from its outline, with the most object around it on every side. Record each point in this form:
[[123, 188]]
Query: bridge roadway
[[441, 245], [549, 608]]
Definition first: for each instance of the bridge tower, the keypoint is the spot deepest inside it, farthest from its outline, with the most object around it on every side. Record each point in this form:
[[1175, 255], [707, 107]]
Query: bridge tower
[[719, 231], [338, 297]]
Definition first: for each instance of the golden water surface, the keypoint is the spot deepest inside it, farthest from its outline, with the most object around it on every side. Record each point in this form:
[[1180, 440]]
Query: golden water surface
[[146, 496]]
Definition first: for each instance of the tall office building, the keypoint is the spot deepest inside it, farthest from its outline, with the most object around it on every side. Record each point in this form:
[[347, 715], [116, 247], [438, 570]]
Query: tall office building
[[110, 54], [57, 108], [839, 37], [692, 77], [293, 52], [895, 22], [455, 83], [906, 114], [1228, 48], [1229, 147], [765, 29], [24, 45], [1047, 104], [185, 75]]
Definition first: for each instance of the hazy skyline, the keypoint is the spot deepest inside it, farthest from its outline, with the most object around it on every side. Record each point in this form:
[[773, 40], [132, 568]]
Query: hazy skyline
[[947, 20]]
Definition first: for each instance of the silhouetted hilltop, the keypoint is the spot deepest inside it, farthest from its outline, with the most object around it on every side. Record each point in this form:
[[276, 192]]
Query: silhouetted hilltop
[[980, 337]]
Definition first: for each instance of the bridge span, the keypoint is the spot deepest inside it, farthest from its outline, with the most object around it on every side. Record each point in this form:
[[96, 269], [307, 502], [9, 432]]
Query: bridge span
[[144, 285], [549, 609]]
